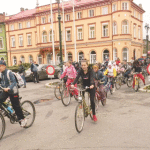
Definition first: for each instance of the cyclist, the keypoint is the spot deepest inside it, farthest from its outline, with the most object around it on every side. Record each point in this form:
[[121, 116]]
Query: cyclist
[[99, 76], [86, 73], [71, 73], [11, 90], [111, 72], [137, 69]]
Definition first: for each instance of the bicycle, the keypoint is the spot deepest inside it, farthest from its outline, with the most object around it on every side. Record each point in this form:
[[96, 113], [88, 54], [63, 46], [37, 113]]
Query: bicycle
[[10, 113], [108, 86], [137, 82], [82, 110]]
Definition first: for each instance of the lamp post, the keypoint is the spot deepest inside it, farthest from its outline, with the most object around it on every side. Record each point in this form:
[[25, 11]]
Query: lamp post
[[147, 28], [60, 40]]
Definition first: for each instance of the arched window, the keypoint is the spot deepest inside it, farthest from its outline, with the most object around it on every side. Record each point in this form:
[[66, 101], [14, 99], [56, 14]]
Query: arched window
[[105, 55], [125, 54], [39, 59], [2, 58], [50, 36], [125, 27], [14, 60], [93, 57], [30, 59], [80, 56], [49, 58], [69, 56], [114, 28], [44, 37], [58, 58], [22, 59], [114, 54]]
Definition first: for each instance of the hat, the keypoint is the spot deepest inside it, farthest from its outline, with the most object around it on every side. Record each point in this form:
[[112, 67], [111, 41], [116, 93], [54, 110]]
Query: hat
[[2, 62]]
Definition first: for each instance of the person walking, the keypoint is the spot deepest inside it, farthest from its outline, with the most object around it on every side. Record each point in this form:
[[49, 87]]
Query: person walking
[[34, 71], [21, 71]]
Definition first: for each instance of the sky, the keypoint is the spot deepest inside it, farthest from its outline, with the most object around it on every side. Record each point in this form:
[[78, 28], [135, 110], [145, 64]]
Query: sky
[[13, 7]]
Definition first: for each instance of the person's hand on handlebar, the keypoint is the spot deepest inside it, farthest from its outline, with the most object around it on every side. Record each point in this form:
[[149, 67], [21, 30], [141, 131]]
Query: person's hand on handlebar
[[72, 86], [6, 89], [92, 86]]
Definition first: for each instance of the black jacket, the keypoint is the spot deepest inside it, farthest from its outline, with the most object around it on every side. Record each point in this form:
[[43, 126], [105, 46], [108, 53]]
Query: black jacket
[[88, 78], [21, 70]]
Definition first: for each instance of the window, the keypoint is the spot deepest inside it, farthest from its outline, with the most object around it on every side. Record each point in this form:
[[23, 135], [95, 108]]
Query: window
[[50, 36], [79, 33], [93, 57], [134, 13], [139, 16], [92, 31], [30, 58], [125, 29], [20, 25], [114, 54], [124, 6], [22, 59], [125, 54], [68, 35], [39, 59], [134, 30], [12, 27], [104, 10], [29, 39], [58, 58], [14, 60], [114, 7], [139, 32], [114, 28], [91, 13], [13, 41], [69, 56], [105, 55], [67, 17], [43, 20], [80, 56], [79, 15], [49, 19], [1, 43], [49, 59], [20, 40], [105, 30], [0, 29], [44, 37], [28, 24]]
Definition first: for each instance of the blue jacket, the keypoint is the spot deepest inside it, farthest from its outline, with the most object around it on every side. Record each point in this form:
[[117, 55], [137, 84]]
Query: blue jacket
[[34, 68], [5, 81], [99, 76]]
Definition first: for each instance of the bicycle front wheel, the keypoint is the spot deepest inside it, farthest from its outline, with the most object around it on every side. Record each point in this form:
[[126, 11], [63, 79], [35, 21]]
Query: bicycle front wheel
[[57, 91], [96, 102], [130, 82], [28, 112], [111, 90], [65, 97], [2, 126], [79, 117], [118, 83]]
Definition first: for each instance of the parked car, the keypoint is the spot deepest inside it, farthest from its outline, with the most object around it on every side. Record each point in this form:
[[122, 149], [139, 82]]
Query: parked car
[[42, 72]]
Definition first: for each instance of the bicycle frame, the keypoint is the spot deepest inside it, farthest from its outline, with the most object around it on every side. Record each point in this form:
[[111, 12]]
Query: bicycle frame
[[136, 80]]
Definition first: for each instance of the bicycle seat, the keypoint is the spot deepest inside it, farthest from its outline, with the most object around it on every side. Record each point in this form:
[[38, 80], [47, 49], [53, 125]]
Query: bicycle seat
[[20, 98]]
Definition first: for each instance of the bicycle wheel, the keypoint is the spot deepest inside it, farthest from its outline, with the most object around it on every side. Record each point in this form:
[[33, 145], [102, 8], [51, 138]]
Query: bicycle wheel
[[79, 117], [2, 126], [57, 91], [118, 83], [29, 112], [130, 82], [111, 90], [65, 97], [136, 87], [96, 103]]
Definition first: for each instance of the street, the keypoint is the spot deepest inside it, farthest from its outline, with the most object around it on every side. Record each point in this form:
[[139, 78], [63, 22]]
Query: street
[[123, 124]]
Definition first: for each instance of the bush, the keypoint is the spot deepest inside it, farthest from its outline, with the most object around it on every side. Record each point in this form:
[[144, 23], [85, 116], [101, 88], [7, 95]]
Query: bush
[[15, 68]]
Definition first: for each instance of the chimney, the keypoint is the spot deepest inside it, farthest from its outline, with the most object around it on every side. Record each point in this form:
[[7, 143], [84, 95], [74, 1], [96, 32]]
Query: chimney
[[21, 9], [140, 5]]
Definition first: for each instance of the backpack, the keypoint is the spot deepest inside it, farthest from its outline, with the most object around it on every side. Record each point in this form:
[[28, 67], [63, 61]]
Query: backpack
[[18, 78]]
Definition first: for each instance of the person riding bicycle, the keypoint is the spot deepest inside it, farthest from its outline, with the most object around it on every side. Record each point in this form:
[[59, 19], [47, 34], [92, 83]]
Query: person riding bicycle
[[127, 69], [111, 72], [87, 75], [99, 76], [137, 69], [11, 90], [71, 74]]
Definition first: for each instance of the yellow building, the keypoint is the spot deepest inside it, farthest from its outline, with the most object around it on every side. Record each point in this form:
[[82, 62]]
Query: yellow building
[[103, 29]]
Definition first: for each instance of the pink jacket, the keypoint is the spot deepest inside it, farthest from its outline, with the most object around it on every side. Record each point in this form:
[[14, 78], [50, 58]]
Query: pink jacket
[[70, 72]]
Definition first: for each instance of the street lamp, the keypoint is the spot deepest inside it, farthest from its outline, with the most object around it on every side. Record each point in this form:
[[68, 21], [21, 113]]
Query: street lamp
[[147, 28], [60, 40]]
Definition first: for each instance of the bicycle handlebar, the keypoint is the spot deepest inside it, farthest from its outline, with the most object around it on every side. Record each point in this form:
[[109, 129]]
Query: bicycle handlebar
[[82, 90]]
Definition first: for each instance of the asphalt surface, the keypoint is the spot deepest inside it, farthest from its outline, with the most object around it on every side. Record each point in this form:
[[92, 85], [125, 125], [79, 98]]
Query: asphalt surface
[[123, 124]]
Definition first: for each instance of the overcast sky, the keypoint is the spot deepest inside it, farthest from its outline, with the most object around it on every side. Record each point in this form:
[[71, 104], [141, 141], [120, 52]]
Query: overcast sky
[[13, 6]]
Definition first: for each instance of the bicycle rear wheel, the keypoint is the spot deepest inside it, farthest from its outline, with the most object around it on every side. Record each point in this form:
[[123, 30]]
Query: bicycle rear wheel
[[57, 91], [111, 90], [2, 126], [79, 117], [96, 103], [65, 97], [118, 83], [29, 112]]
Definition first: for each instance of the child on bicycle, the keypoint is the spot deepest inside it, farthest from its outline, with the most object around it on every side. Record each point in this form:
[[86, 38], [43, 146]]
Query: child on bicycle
[[86, 73], [71, 73], [11, 89]]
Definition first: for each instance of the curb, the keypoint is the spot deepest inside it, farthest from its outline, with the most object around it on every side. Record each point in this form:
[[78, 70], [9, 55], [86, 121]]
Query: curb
[[143, 90], [50, 86]]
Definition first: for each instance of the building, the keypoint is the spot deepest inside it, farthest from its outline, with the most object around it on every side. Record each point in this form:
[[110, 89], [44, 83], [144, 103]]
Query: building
[[3, 45], [103, 29]]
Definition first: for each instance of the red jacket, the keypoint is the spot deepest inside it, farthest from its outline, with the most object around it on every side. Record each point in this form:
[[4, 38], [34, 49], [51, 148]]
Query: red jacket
[[117, 62]]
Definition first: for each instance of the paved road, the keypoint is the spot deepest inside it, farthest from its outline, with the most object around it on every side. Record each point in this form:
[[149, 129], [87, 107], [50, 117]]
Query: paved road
[[123, 124]]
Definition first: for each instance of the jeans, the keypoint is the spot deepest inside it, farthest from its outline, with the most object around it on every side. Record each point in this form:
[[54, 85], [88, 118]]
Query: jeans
[[126, 74], [23, 77], [35, 77]]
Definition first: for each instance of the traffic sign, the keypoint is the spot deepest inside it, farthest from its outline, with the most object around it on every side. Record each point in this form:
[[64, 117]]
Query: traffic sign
[[148, 69], [50, 70]]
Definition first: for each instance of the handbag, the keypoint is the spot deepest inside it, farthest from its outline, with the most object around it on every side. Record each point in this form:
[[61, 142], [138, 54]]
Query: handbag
[[3, 96]]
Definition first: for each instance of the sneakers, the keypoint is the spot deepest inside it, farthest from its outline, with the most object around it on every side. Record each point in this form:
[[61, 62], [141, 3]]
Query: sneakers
[[113, 90], [23, 122], [94, 118]]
